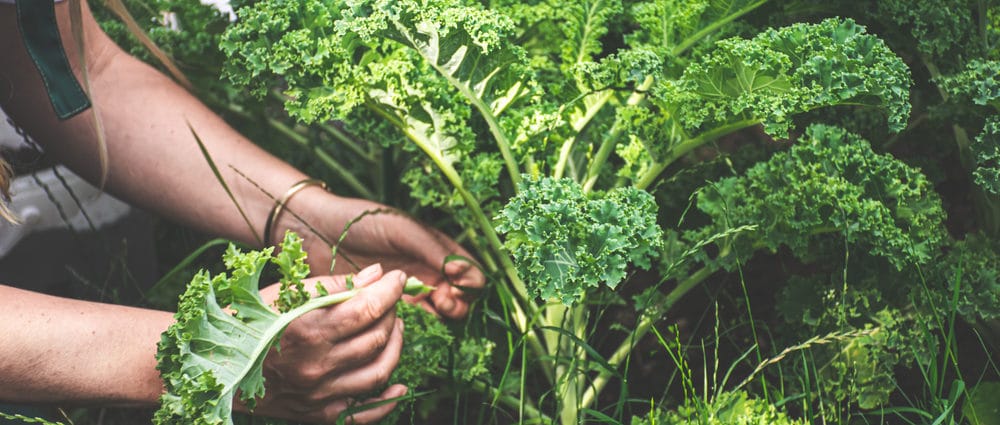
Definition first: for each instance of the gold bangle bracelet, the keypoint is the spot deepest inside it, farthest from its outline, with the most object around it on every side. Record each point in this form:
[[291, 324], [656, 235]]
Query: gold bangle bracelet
[[280, 205]]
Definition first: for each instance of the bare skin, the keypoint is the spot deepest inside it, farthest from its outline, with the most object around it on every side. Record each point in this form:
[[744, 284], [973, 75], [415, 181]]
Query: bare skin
[[70, 351]]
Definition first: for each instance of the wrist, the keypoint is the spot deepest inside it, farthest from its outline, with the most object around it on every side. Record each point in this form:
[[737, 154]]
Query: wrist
[[308, 213], [280, 206]]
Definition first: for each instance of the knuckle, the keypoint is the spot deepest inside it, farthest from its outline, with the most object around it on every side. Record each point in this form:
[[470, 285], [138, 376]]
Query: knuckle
[[372, 308], [309, 374], [380, 340], [306, 335], [381, 377]]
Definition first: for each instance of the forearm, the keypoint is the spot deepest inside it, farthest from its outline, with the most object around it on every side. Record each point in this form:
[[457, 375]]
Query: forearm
[[76, 351], [153, 159]]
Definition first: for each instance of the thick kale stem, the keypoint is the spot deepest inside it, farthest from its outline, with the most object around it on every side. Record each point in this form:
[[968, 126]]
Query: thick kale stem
[[688, 145], [503, 142], [521, 312], [612, 139]]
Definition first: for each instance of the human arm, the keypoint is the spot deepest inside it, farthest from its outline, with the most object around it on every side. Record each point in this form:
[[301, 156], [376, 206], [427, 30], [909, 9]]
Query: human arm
[[154, 162], [79, 352], [62, 350]]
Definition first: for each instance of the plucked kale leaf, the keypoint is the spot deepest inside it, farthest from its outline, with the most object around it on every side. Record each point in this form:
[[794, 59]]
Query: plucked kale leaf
[[209, 355], [566, 242]]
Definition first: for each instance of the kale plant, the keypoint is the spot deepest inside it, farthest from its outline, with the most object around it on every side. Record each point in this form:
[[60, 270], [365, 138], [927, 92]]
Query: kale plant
[[546, 127], [563, 140]]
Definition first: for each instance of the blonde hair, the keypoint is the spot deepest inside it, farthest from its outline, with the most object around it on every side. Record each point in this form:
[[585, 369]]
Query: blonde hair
[[5, 177]]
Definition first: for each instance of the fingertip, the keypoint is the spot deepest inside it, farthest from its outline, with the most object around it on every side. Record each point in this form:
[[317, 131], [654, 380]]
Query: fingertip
[[368, 274], [397, 390], [443, 301], [456, 267]]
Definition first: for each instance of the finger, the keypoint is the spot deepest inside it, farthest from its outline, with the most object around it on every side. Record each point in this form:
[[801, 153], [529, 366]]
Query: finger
[[369, 305], [362, 348], [338, 283], [464, 273], [362, 380], [448, 302], [368, 275]]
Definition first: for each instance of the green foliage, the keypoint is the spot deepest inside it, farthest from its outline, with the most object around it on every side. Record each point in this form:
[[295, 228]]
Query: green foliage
[[576, 101], [566, 243], [669, 27], [473, 359], [868, 307], [830, 184], [291, 262], [986, 147], [333, 59], [983, 405], [782, 72], [974, 266], [937, 26], [427, 346], [728, 408], [978, 82]]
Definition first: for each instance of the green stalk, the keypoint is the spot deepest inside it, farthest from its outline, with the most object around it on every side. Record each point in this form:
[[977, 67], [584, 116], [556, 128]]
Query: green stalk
[[330, 162], [640, 331], [578, 126], [491, 121], [511, 402], [521, 313], [612, 139], [688, 145], [691, 40], [346, 140]]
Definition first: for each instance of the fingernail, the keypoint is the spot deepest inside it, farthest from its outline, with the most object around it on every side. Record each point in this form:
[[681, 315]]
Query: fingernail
[[369, 273], [402, 277]]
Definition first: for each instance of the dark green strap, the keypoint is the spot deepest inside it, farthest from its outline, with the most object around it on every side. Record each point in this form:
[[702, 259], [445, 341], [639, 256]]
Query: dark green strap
[[37, 22]]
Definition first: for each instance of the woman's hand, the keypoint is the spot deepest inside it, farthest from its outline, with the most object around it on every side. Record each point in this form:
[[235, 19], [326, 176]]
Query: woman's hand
[[334, 358], [391, 238]]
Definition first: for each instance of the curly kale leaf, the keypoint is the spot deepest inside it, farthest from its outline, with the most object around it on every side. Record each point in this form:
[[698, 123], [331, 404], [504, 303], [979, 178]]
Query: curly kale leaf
[[335, 56], [974, 266], [870, 327], [979, 82], [786, 71], [987, 151], [936, 26], [583, 23], [210, 354], [830, 184], [565, 242]]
